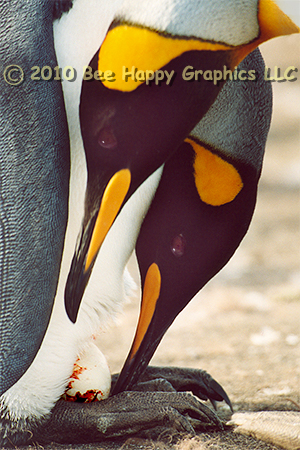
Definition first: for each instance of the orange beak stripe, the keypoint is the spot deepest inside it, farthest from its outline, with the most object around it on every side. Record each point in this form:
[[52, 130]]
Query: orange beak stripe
[[151, 294], [112, 200]]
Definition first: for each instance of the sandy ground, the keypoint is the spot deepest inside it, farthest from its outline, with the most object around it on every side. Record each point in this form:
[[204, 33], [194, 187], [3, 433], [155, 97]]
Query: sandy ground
[[244, 326]]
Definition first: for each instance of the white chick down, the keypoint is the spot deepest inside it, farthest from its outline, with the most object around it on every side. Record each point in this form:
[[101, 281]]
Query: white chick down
[[91, 378]]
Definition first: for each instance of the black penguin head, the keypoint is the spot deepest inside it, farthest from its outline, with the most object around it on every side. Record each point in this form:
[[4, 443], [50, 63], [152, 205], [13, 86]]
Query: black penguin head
[[132, 124]]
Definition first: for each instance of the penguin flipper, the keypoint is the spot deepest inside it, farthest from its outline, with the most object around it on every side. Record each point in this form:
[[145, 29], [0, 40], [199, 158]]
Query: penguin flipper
[[124, 414]]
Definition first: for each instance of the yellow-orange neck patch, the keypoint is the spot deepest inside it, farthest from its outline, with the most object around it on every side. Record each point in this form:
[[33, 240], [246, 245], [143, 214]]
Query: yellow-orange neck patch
[[129, 46], [217, 181]]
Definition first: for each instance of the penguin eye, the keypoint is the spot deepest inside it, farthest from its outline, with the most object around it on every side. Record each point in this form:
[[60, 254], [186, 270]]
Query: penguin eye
[[107, 138], [178, 246]]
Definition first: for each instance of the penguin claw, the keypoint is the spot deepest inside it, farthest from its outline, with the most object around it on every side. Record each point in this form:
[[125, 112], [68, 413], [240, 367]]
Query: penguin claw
[[218, 390], [199, 382]]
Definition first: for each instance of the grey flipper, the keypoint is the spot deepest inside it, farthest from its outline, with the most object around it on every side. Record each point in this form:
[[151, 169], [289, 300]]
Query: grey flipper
[[34, 176]]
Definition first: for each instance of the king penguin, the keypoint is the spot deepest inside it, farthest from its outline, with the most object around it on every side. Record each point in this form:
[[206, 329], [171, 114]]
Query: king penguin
[[201, 210], [30, 393], [34, 166]]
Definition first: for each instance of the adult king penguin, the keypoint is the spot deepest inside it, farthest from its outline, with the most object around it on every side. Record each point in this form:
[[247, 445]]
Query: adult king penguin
[[201, 210], [34, 165], [26, 403]]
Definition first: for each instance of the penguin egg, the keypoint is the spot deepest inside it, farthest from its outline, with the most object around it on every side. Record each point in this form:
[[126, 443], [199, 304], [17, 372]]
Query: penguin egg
[[91, 379]]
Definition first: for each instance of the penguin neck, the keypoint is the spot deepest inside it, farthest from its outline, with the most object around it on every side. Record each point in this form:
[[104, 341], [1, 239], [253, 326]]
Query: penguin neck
[[77, 36], [215, 20]]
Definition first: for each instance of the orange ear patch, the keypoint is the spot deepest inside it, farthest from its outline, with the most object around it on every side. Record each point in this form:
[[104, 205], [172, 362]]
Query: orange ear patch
[[129, 46], [217, 181]]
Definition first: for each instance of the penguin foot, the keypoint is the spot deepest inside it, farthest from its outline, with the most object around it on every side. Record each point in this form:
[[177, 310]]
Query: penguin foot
[[156, 402], [197, 381], [123, 414]]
